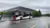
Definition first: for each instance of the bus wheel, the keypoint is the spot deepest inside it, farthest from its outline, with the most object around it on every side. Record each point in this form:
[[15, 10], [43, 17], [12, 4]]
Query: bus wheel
[[21, 18]]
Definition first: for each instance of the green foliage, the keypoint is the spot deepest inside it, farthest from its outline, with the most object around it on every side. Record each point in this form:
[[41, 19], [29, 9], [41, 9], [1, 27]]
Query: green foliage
[[1, 13], [5, 13], [36, 13], [46, 15]]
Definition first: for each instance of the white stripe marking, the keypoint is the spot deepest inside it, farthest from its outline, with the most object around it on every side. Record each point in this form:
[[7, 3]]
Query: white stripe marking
[[33, 26]]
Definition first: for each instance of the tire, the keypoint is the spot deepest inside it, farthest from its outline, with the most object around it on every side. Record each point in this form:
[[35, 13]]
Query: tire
[[21, 18]]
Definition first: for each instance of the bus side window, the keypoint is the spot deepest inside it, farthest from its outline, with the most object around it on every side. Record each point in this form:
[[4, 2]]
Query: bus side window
[[16, 15]]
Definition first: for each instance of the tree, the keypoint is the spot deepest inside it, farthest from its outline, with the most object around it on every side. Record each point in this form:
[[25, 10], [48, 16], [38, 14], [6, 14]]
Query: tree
[[1, 13], [36, 13], [5, 13], [39, 13]]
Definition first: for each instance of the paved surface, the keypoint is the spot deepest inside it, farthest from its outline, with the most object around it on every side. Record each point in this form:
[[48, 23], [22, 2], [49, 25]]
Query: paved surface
[[38, 22], [5, 24], [24, 23], [17, 24], [43, 22]]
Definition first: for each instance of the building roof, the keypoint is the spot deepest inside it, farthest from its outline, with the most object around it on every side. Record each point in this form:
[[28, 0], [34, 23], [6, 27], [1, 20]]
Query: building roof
[[20, 8]]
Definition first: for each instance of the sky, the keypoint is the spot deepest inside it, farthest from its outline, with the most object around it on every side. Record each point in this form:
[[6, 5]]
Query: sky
[[43, 5]]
